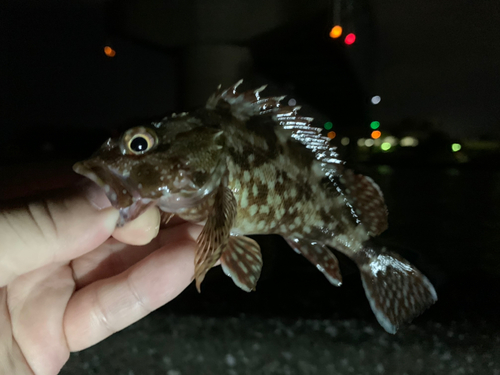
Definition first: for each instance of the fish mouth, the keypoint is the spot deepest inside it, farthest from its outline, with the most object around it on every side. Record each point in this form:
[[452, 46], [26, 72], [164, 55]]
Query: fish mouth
[[122, 194]]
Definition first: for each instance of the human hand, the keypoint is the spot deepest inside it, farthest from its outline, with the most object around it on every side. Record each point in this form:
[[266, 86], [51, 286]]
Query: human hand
[[69, 278]]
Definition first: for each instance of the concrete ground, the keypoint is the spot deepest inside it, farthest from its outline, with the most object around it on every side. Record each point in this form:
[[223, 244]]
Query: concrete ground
[[186, 345]]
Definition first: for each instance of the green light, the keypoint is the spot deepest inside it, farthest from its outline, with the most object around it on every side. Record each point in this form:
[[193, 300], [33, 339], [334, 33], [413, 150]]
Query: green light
[[385, 146], [456, 147], [375, 125], [328, 125]]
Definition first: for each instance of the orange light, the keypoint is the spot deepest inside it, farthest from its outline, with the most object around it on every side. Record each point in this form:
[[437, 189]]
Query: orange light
[[331, 134], [336, 31], [110, 52], [376, 134]]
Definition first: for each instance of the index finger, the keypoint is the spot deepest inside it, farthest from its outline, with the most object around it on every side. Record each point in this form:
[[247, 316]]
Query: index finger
[[51, 229]]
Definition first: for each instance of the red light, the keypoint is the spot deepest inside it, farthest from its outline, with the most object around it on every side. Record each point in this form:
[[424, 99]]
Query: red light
[[350, 39]]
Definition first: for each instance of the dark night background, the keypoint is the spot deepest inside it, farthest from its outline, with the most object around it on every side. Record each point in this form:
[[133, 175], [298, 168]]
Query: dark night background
[[435, 65]]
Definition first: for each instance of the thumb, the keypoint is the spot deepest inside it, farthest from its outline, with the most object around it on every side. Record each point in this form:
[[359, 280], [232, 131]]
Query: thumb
[[55, 229]]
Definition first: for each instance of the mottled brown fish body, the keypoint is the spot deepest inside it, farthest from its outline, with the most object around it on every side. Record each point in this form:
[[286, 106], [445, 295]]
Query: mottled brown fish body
[[248, 165]]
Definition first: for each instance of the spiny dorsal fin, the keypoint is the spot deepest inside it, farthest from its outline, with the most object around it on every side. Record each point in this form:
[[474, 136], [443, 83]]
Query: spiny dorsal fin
[[249, 103]]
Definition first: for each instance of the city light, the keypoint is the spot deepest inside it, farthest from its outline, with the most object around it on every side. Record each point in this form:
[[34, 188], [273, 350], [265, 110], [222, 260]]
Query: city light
[[331, 134], [110, 52], [393, 141], [376, 99], [345, 141], [328, 125], [385, 146], [336, 32], [409, 142], [361, 142], [455, 147], [350, 39], [369, 142], [292, 102], [376, 134], [374, 125]]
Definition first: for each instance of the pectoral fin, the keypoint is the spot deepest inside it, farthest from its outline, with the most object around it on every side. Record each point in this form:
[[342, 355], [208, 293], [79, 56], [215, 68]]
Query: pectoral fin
[[242, 261], [319, 255], [215, 234]]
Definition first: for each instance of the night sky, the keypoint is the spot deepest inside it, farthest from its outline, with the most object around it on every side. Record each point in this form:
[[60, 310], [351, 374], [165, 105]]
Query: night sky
[[440, 60], [428, 60]]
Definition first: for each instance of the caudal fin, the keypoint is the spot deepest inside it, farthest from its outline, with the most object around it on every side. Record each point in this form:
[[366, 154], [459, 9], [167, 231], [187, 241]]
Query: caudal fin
[[396, 290]]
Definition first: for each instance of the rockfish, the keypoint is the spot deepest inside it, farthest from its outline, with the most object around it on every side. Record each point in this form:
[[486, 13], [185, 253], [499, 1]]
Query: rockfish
[[244, 164]]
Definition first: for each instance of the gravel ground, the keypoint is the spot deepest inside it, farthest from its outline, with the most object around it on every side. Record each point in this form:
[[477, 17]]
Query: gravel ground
[[184, 345]]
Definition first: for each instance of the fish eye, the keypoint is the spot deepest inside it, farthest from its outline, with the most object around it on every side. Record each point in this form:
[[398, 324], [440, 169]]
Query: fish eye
[[138, 141]]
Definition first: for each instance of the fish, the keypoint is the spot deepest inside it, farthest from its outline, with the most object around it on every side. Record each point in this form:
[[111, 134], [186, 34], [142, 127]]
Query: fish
[[245, 164]]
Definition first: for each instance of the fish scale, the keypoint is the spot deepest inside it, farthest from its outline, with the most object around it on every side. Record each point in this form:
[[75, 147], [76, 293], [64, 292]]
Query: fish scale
[[244, 164]]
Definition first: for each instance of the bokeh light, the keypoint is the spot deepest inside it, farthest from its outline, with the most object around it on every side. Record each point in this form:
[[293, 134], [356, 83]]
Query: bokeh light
[[336, 31], [350, 39], [331, 134], [328, 125], [361, 142], [110, 52], [385, 146], [456, 147], [376, 99], [409, 141], [345, 141], [376, 134], [292, 102], [375, 125], [393, 141], [369, 142]]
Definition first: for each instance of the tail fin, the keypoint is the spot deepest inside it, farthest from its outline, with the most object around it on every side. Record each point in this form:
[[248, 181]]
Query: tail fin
[[396, 290]]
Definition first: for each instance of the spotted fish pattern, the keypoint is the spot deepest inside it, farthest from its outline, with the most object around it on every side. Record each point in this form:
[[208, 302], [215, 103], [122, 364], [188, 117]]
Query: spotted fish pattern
[[246, 164]]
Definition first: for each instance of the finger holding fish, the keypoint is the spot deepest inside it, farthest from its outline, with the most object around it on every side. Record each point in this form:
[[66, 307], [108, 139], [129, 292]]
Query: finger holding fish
[[112, 302]]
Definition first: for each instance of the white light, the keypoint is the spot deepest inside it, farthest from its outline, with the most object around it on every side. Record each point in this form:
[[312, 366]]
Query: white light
[[292, 102], [361, 142], [345, 141], [377, 142], [392, 140], [376, 99], [409, 142], [369, 142]]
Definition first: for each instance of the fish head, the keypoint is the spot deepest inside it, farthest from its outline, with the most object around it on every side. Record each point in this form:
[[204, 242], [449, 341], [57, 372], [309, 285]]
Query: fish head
[[173, 164]]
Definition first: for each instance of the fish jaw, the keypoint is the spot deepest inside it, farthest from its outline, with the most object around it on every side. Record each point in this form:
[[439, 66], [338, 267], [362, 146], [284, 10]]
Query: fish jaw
[[127, 197], [122, 194]]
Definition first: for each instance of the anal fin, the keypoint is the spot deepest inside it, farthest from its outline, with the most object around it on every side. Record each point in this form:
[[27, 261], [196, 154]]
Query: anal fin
[[319, 255], [396, 290], [242, 261]]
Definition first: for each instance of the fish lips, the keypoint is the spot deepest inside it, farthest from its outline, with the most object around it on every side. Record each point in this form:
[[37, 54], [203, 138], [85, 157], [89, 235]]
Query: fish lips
[[121, 193]]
